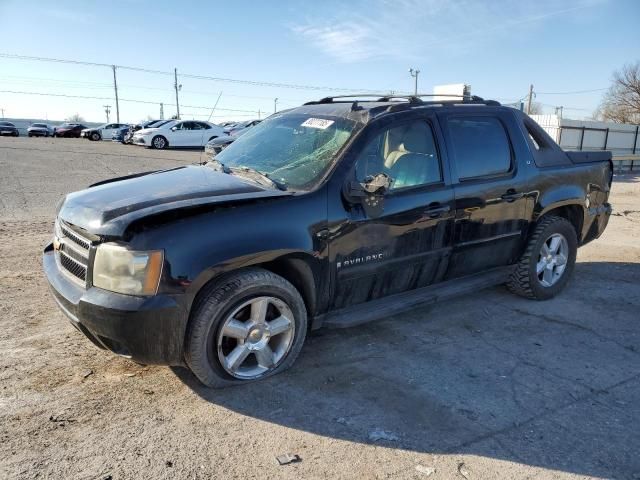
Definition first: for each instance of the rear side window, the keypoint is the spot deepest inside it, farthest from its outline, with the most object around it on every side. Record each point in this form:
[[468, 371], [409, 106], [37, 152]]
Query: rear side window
[[480, 146]]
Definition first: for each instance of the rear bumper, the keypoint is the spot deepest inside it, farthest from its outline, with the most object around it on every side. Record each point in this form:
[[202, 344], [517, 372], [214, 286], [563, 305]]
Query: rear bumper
[[148, 330], [598, 219]]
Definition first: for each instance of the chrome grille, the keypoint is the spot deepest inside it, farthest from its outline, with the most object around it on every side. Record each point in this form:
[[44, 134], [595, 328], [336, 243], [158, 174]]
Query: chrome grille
[[73, 253]]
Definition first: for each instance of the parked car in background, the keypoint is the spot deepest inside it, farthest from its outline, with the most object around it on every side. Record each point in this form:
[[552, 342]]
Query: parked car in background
[[39, 130], [8, 128], [239, 128], [178, 134], [120, 134], [215, 146], [69, 130], [128, 138], [103, 132]]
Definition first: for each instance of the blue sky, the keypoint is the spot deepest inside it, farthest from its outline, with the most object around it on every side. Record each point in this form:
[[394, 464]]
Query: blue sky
[[498, 47]]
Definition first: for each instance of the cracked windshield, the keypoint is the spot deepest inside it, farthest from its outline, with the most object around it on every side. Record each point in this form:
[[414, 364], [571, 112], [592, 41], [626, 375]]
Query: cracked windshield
[[293, 150]]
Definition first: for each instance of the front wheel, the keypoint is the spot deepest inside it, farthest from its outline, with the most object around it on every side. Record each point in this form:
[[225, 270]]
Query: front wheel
[[95, 136], [548, 261], [159, 142], [247, 327]]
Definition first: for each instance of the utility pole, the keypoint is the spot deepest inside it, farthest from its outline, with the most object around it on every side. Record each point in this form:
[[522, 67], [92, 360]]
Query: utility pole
[[162, 111], [275, 105], [2, 112], [559, 111], [177, 87], [259, 114], [107, 110], [530, 98], [414, 74], [115, 88]]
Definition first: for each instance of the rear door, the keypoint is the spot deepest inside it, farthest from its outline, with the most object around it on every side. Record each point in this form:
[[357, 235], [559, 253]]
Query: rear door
[[408, 244], [490, 188]]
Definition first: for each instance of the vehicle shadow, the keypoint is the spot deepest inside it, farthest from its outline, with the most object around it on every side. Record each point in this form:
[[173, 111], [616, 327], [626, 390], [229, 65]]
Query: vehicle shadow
[[549, 384]]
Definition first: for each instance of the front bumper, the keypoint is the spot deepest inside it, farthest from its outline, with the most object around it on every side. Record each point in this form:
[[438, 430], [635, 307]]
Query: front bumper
[[149, 330]]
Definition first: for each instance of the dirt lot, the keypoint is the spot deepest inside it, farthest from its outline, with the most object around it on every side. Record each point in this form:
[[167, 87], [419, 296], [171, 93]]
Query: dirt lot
[[486, 386]]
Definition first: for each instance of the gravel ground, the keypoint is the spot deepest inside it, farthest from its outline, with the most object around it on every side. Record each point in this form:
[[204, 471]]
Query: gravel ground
[[487, 386]]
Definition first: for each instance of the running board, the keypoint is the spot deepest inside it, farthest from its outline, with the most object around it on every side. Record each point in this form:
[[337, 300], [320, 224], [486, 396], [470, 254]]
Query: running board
[[405, 301]]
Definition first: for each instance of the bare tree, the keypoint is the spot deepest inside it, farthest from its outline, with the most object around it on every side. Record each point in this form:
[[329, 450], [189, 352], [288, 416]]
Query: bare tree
[[536, 108], [75, 118], [621, 103]]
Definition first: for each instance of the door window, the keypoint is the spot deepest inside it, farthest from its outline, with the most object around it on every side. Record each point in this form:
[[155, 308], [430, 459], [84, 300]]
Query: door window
[[407, 153], [480, 146]]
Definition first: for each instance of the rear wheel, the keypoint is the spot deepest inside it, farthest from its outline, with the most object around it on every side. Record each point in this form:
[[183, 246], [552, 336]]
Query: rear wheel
[[247, 327], [159, 142], [548, 261]]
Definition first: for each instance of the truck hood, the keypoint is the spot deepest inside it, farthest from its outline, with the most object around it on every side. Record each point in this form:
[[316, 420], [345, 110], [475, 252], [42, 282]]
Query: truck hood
[[108, 208]]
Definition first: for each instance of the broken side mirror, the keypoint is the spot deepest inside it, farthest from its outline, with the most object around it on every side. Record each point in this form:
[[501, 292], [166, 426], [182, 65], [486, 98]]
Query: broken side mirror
[[370, 193]]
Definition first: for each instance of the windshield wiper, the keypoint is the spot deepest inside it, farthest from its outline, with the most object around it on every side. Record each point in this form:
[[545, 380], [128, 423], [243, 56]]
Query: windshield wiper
[[249, 173], [257, 176]]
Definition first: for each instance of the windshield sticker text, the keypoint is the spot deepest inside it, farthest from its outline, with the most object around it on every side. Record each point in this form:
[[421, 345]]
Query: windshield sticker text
[[320, 123]]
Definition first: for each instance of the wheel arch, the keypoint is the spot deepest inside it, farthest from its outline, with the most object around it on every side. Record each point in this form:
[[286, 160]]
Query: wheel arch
[[298, 268], [570, 210], [566, 201]]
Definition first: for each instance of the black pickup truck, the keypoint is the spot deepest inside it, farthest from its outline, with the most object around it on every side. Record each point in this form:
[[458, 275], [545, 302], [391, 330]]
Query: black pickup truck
[[333, 213]]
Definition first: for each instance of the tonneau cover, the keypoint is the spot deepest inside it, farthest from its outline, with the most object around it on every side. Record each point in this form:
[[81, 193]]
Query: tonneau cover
[[589, 157]]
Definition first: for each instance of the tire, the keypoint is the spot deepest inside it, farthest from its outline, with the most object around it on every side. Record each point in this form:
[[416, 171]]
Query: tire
[[208, 350], [29, 135], [159, 142], [95, 136], [16, 134], [527, 280]]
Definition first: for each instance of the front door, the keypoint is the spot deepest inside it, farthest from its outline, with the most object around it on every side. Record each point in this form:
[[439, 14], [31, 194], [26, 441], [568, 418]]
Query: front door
[[407, 244], [490, 185]]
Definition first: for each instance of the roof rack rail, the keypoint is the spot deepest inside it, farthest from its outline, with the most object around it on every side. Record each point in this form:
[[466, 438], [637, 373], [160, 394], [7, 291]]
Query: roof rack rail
[[411, 99]]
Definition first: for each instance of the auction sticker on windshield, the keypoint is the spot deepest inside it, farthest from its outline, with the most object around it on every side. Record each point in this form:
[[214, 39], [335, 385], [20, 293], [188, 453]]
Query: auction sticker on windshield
[[320, 123]]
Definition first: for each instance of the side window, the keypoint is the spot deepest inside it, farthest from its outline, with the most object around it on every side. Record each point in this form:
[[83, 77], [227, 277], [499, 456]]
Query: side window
[[179, 126], [407, 153], [204, 126], [480, 146]]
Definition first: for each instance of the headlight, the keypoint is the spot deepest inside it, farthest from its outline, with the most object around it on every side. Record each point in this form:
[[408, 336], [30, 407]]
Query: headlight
[[125, 271]]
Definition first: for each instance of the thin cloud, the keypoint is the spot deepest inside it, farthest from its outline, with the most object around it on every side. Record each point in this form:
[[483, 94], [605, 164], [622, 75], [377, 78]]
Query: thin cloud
[[405, 29]]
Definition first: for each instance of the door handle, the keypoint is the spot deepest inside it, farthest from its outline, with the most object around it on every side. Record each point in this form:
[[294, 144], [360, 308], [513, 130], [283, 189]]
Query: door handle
[[436, 210], [511, 195]]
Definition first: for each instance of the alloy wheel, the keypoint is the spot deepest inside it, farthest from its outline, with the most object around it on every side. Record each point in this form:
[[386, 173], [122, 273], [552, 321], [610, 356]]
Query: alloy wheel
[[552, 260], [256, 337]]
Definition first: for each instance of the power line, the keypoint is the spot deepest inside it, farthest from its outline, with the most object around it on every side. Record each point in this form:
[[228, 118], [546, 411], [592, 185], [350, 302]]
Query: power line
[[88, 97], [574, 92], [187, 75]]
